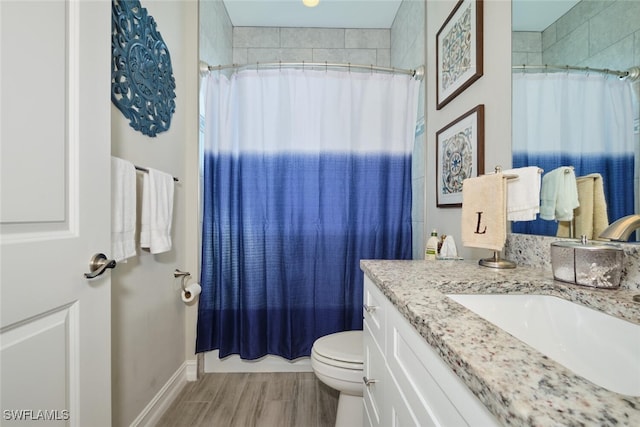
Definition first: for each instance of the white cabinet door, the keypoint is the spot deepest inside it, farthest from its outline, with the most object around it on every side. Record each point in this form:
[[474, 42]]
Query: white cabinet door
[[375, 369], [54, 212], [400, 412], [375, 373]]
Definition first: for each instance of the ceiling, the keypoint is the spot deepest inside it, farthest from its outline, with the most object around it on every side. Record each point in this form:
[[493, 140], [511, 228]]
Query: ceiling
[[327, 14], [528, 15]]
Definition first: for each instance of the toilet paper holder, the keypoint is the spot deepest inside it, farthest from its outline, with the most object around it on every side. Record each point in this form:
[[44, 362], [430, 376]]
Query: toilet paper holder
[[189, 293], [184, 275]]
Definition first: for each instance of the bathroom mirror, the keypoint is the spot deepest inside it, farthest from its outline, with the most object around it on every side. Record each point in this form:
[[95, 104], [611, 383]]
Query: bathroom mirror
[[581, 33]]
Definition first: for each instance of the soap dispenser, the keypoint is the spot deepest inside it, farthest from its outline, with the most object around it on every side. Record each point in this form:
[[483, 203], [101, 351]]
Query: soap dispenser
[[431, 250]]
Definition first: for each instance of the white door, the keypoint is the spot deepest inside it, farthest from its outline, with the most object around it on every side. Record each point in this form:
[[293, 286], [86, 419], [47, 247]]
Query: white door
[[54, 212]]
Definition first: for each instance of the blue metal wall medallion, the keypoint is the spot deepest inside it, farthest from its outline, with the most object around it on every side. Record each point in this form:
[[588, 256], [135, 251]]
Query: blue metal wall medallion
[[142, 83]]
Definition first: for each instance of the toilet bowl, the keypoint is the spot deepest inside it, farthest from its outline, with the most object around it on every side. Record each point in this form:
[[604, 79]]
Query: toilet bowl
[[336, 360]]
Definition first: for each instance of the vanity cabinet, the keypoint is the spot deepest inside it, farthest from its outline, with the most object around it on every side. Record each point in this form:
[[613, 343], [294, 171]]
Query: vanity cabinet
[[406, 381]]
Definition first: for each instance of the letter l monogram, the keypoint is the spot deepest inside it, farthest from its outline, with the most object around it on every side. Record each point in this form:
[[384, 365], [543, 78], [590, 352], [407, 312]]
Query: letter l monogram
[[478, 225]]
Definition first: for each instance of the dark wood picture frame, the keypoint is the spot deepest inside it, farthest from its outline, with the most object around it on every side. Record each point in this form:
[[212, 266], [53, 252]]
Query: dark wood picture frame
[[459, 51], [459, 155]]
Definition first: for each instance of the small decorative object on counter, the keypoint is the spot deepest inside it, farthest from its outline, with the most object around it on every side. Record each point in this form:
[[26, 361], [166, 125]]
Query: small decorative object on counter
[[598, 265], [448, 250], [431, 250]]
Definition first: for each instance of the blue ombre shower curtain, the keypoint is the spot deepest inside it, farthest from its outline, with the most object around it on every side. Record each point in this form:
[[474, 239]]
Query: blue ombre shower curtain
[[305, 173], [580, 120]]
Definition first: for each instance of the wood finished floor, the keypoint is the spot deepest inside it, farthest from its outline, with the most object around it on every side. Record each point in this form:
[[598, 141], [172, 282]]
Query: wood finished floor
[[294, 399]]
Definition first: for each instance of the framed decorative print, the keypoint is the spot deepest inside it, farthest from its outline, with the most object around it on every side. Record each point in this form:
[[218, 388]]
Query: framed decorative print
[[459, 155], [459, 51]]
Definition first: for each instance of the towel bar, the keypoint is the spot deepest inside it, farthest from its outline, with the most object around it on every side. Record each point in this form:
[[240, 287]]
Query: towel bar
[[496, 261], [145, 170]]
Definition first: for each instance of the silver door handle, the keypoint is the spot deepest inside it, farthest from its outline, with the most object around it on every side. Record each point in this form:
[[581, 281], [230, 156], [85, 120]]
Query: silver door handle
[[368, 381], [369, 308], [98, 264]]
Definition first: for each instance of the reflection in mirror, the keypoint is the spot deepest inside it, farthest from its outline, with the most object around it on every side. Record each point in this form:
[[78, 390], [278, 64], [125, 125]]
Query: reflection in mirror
[[586, 118]]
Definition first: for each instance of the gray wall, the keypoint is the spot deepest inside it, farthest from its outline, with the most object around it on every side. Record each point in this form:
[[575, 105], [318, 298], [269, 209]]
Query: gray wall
[[148, 316], [493, 90]]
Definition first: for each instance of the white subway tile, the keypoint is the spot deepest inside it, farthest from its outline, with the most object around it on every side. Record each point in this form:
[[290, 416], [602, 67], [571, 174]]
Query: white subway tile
[[250, 37], [312, 37], [367, 38]]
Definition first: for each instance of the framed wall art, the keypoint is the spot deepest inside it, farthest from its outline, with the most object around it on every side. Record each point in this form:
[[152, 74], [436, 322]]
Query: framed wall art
[[459, 51], [459, 155]]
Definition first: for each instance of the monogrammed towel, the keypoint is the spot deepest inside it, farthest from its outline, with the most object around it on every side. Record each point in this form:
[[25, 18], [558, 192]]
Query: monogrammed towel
[[484, 212]]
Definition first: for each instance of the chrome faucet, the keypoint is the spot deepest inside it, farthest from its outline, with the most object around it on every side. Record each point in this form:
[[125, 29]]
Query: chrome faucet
[[621, 229]]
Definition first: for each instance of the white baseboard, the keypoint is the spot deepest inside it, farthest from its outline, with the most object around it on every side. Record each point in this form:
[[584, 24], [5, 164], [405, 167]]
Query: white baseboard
[[267, 363], [191, 370], [151, 414]]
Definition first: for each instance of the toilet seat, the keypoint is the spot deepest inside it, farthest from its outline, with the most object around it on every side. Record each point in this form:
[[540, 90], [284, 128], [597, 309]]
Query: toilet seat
[[342, 349], [336, 360]]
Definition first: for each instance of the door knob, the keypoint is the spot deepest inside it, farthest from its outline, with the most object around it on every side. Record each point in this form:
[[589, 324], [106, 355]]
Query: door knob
[[98, 264], [368, 381]]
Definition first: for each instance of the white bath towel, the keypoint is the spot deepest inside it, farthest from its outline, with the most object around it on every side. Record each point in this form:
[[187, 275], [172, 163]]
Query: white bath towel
[[559, 194], [123, 209], [484, 212], [157, 211], [523, 193]]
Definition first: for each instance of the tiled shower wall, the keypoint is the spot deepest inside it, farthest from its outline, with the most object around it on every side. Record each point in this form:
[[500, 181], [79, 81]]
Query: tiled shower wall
[[215, 33], [598, 34], [269, 44]]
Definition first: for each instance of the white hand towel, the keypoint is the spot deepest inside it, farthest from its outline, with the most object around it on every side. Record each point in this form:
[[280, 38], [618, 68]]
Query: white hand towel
[[123, 209], [157, 211], [559, 194], [523, 193], [567, 196], [484, 212]]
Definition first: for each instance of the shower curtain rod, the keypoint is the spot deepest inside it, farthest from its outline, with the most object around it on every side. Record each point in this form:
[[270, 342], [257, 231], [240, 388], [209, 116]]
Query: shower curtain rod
[[632, 73], [418, 73]]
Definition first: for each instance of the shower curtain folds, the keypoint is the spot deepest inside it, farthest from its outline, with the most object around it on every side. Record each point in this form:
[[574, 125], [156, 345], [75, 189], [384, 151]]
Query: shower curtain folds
[[305, 173]]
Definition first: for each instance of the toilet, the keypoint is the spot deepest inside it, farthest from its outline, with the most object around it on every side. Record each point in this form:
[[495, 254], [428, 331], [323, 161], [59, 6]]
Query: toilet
[[336, 360]]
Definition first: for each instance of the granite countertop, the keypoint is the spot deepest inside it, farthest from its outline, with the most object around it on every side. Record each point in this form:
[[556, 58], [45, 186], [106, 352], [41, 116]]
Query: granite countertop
[[518, 384]]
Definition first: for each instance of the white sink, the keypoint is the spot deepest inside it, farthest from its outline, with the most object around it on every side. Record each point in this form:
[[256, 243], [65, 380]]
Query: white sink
[[601, 348]]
